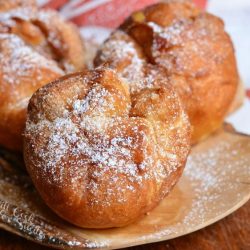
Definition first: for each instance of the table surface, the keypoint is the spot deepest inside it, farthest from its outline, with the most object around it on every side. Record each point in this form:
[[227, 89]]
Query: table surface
[[233, 232]]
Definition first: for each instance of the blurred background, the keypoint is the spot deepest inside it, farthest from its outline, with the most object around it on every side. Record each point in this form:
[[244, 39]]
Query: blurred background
[[236, 15]]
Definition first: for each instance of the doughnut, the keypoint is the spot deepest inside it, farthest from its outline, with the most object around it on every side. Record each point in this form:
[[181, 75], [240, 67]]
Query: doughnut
[[36, 47], [192, 51], [99, 156]]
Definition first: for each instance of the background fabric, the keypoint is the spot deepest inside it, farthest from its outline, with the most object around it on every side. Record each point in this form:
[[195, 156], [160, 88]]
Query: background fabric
[[236, 15]]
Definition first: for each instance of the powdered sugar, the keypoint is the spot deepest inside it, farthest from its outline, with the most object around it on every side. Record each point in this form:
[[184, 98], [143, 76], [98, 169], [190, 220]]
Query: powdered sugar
[[47, 33], [217, 172], [171, 33], [9, 17], [18, 61], [121, 53], [53, 22], [101, 148], [109, 154], [213, 178]]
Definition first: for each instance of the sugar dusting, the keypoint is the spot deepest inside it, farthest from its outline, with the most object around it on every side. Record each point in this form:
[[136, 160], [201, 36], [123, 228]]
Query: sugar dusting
[[121, 53], [9, 17], [184, 47], [53, 37], [171, 33], [209, 181], [54, 24], [19, 60], [94, 142], [66, 134], [214, 174]]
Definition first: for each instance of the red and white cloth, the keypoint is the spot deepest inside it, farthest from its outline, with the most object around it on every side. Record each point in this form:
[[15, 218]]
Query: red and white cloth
[[236, 15], [97, 18], [103, 13]]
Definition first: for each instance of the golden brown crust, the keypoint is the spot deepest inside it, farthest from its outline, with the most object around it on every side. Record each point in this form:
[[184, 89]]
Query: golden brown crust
[[37, 46], [99, 157], [48, 33], [193, 51], [22, 72]]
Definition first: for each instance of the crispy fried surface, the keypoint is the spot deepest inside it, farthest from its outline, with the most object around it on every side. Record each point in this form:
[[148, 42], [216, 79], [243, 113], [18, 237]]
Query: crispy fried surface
[[189, 47], [22, 72], [48, 33], [36, 47], [99, 156]]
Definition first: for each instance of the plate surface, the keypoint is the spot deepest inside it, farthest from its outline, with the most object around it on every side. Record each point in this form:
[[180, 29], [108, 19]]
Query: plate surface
[[216, 182]]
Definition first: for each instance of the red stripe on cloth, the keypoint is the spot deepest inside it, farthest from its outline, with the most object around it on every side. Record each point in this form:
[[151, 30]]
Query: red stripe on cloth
[[106, 14], [55, 4], [248, 93], [58, 3], [110, 14], [82, 3], [201, 3]]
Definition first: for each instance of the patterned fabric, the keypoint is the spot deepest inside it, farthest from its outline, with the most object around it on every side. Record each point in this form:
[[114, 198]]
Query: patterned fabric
[[104, 13], [97, 18], [248, 93]]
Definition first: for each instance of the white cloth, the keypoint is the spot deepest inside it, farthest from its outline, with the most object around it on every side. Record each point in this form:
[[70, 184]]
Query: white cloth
[[236, 15]]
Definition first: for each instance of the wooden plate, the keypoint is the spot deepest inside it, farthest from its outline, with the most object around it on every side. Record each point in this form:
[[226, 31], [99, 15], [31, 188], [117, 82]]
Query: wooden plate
[[215, 183]]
